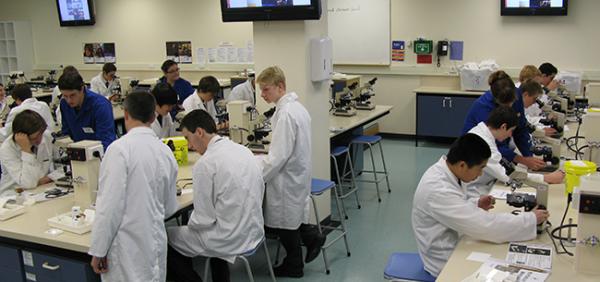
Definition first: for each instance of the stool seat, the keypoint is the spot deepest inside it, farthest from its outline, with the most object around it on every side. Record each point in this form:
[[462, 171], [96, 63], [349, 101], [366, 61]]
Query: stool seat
[[407, 266], [337, 151], [318, 186], [366, 139]]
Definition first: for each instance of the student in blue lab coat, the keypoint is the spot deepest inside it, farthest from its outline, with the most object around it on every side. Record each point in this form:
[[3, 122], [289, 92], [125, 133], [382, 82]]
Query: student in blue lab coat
[[85, 114], [503, 92], [183, 87]]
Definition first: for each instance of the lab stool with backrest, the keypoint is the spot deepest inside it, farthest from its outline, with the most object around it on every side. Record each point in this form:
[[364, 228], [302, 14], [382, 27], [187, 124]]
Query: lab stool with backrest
[[371, 141], [345, 178], [243, 258], [406, 267]]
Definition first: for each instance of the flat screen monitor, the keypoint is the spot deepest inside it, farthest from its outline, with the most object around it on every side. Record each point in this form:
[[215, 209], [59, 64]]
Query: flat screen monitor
[[76, 12], [270, 10], [533, 7]]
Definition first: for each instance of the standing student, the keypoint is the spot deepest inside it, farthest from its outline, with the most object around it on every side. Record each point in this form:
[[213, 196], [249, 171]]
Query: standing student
[[85, 115], [442, 213], [136, 193], [106, 82], [204, 97], [499, 126], [26, 155], [171, 76], [166, 100], [245, 91], [23, 97], [287, 173], [503, 92], [228, 192]]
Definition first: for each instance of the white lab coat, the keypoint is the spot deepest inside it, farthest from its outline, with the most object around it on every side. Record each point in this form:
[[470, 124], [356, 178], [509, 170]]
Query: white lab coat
[[193, 102], [167, 129], [98, 85], [243, 91], [136, 193], [493, 170], [441, 214], [287, 167], [20, 169], [4, 109], [29, 104], [228, 191]]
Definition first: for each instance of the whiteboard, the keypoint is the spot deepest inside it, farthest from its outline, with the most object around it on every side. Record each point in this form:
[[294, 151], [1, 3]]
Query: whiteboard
[[360, 30]]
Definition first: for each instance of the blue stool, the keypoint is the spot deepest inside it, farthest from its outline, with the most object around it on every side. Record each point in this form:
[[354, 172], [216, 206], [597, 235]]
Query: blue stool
[[406, 266], [342, 178], [243, 257], [318, 187], [370, 141]]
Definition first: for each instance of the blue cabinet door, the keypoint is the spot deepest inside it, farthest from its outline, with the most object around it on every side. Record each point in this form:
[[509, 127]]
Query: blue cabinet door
[[11, 267], [442, 116], [459, 108]]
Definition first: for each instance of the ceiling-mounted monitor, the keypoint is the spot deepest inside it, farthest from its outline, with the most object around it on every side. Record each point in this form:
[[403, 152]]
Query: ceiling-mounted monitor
[[270, 10], [533, 7], [76, 12]]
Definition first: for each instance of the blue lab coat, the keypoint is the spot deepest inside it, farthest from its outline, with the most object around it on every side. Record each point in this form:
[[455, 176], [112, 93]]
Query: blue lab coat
[[480, 111], [95, 115]]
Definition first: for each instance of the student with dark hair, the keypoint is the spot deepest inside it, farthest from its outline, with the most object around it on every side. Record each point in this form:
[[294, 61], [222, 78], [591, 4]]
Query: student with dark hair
[[23, 97], [85, 114], [26, 155], [106, 82], [228, 194], [549, 71], [204, 98], [442, 212], [166, 100], [499, 126], [171, 76], [503, 93], [136, 193]]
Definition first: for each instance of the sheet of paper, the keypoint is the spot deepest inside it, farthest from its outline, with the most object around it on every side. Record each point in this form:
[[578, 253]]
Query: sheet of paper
[[480, 257], [534, 255], [212, 55], [200, 57]]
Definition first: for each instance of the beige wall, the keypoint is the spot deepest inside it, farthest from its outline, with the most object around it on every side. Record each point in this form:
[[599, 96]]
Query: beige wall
[[140, 28]]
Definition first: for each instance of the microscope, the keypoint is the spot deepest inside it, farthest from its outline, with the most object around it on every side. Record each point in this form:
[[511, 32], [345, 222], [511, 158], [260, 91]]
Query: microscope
[[61, 159], [261, 127], [586, 200], [247, 126], [364, 94], [343, 104], [85, 159], [554, 119]]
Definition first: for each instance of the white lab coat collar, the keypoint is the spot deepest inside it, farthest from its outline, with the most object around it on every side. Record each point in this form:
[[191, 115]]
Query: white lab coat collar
[[286, 99], [449, 173], [141, 130]]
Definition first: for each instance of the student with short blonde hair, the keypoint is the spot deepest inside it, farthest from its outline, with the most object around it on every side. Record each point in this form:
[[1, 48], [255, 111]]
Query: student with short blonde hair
[[530, 72]]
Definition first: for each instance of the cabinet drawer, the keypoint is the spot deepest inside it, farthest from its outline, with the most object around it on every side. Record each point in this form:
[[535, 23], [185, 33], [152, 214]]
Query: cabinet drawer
[[53, 268]]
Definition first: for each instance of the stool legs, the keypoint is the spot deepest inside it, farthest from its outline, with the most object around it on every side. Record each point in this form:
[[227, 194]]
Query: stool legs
[[385, 171], [340, 181], [374, 172], [318, 219], [352, 180], [247, 264]]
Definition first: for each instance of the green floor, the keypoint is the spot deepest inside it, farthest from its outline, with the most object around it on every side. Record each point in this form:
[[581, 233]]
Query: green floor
[[374, 231]]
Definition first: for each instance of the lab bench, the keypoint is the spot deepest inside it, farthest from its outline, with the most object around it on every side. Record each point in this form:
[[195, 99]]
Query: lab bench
[[441, 112]]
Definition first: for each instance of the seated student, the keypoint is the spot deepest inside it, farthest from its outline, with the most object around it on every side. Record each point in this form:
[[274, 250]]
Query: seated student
[[26, 155], [171, 76], [244, 91], [136, 193], [532, 91], [4, 108], [203, 98], [228, 193], [503, 92], [548, 71], [85, 114], [106, 81], [498, 127], [442, 213], [25, 101], [166, 99]]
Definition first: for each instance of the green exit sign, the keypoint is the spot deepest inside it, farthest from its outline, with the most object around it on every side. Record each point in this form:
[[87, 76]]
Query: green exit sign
[[423, 47]]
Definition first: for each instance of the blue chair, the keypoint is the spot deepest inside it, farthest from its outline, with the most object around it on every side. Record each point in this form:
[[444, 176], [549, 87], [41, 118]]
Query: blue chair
[[406, 266], [318, 187], [370, 141], [243, 257], [345, 178]]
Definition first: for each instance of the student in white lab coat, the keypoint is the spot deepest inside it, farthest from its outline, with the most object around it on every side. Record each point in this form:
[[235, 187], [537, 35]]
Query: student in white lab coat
[[26, 155], [204, 97], [25, 101], [228, 193], [4, 108], [106, 81], [136, 194], [498, 127], [244, 91], [287, 173], [166, 100], [442, 213]]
